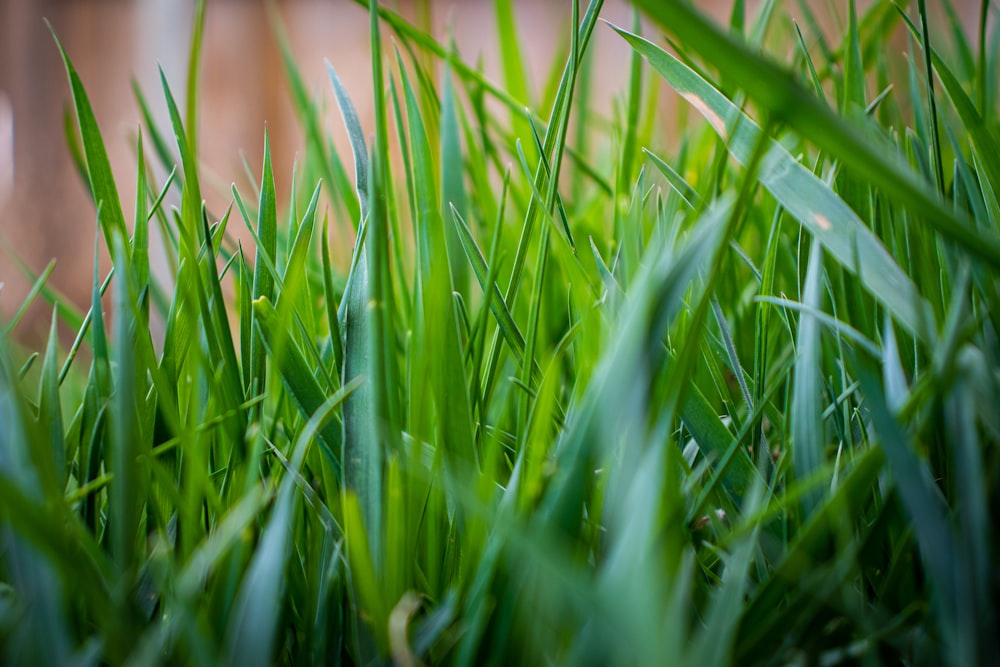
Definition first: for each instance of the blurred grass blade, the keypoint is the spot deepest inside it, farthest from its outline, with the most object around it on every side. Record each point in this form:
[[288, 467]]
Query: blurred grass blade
[[778, 93], [801, 193]]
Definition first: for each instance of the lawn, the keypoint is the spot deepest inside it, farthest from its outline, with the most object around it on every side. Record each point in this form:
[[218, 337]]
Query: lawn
[[716, 387]]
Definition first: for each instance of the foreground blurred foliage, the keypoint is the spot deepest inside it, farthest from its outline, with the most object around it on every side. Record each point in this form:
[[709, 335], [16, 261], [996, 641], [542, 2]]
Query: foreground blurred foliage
[[590, 391]]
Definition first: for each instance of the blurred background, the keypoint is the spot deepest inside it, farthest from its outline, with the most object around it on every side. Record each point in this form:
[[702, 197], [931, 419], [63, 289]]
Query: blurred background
[[45, 212]]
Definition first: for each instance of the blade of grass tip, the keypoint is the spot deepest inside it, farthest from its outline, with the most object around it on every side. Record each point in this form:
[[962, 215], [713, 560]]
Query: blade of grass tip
[[439, 317], [817, 85], [608, 278], [800, 192], [809, 14], [676, 181], [217, 329], [263, 282], [191, 192], [68, 312], [102, 182], [453, 185], [160, 145], [194, 62], [294, 278], [72, 137], [50, 411], [361, 448], [554, 144], [776, 90], [808, 439]]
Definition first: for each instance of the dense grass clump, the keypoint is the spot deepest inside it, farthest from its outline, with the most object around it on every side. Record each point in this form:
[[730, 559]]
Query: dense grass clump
[[627, 391]]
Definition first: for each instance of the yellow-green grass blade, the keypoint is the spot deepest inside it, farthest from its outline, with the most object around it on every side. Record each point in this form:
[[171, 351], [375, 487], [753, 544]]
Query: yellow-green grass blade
[[453, 191], [193, 69], [263, 282]]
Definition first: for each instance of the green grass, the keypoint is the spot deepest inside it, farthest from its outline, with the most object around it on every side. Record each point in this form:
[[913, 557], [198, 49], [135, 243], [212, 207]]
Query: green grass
[[638, 390]]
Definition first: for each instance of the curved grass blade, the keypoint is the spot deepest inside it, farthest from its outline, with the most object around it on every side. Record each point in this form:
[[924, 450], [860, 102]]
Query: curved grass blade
[[777, 91], [102, 181], [801, 193]]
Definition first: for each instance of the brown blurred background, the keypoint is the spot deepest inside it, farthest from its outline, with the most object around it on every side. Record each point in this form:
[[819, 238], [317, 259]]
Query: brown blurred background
[[44, 209]]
